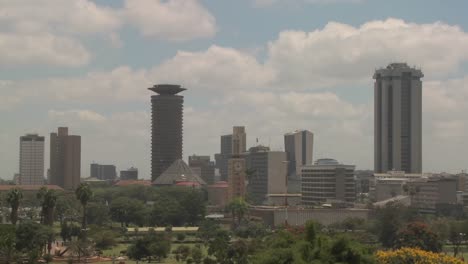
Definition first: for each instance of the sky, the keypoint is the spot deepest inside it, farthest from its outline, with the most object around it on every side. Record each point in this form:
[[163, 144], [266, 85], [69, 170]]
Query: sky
[[273, 66]]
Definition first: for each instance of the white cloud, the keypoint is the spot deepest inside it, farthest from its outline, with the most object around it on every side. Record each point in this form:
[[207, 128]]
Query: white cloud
[[39, 49], [176, 20], [51, 32], [82, 115], [267, 3], [68, 17], [340, 53], [217, 68]]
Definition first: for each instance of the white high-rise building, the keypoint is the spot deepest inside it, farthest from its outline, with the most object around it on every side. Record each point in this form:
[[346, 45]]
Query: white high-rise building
[[31, 163], [398, 115]]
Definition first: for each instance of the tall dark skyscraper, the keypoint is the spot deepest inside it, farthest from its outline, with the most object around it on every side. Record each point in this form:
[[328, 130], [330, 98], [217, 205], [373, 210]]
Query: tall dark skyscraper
[[397, 119], [167, 126]]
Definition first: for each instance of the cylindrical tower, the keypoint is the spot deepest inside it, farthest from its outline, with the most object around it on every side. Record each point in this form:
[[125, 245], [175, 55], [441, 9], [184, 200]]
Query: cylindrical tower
[[166, 127]]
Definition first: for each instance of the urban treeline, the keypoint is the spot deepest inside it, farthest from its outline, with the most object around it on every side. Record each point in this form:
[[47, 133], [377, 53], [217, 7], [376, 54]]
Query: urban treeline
[[141, 222]]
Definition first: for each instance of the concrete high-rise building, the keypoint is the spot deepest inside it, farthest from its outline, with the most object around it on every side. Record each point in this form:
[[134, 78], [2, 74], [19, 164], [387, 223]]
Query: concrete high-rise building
[[327, 181], [298, 146], [65, 159], [103, 172], [166, 127], [204, 166], [129, 174], [223, 157], [239, 139], [268, 173], [31, 163], [236, 164], [398, 119]]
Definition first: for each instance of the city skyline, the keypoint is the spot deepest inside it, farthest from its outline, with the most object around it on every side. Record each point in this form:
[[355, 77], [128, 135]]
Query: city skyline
[[305, 68]]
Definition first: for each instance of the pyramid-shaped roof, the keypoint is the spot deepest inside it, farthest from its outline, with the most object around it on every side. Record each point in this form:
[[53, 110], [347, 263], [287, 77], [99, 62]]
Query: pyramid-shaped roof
[[179, 171]]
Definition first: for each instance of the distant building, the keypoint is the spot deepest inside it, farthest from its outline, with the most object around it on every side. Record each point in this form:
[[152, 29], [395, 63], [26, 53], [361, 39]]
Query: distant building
[[129, 174], [103, 172], [223, 157], [398, 119], [363, 178], [299, 148], [179, 174], [237, 165], [65, 159], [31, 164], [327, 181], [205, 166], [166, 127], [218, 194], [267, 171], [384, 186], [432, 195], [16, 178]]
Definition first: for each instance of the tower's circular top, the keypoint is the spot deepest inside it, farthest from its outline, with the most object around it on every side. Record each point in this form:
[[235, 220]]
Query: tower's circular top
[[169, 89]]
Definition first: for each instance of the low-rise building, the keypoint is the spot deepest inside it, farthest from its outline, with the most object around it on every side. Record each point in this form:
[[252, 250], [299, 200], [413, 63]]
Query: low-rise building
[[327, 180]]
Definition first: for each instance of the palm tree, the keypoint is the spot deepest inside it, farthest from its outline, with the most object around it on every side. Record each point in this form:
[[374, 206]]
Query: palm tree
[[84, 194], [14, 198], [238, 207], [48, 199]]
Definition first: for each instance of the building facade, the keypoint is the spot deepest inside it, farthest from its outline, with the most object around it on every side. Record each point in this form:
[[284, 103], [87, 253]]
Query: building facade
[[237, 165], [166, 127], [299, 148], [129, 174], [65, 159], [327, 181], [204, 166], [31, 162], [223, 157], [267, 173], [398, 119], [103, 172]]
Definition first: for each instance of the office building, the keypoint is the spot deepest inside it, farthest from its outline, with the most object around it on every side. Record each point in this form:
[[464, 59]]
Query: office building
[[166, 127], [237, 165], [239, 139], [298, 146], [31, 163], [223, 157], [103, 172], [65, 159], [384, 186], [218, 194], [327, 181], [432, 195], [267, 173], [129, 174], [398, 119], [204, 167]]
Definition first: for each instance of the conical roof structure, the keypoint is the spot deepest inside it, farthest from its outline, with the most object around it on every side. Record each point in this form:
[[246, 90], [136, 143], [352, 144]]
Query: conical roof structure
[[179, 171]]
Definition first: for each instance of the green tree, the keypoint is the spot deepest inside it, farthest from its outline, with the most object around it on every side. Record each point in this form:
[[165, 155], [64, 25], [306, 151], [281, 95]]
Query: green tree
[[128, 210], [418, 235], [48, 200], [103, 238], [197, 255], [7, 242], [84, 194], [238, 208], [14, 198], [31, 238], [98, 214], [152, 245]]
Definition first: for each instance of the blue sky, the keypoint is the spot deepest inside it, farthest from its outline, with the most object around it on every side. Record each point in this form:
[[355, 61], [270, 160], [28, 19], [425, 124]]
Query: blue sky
[[271, 65]]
